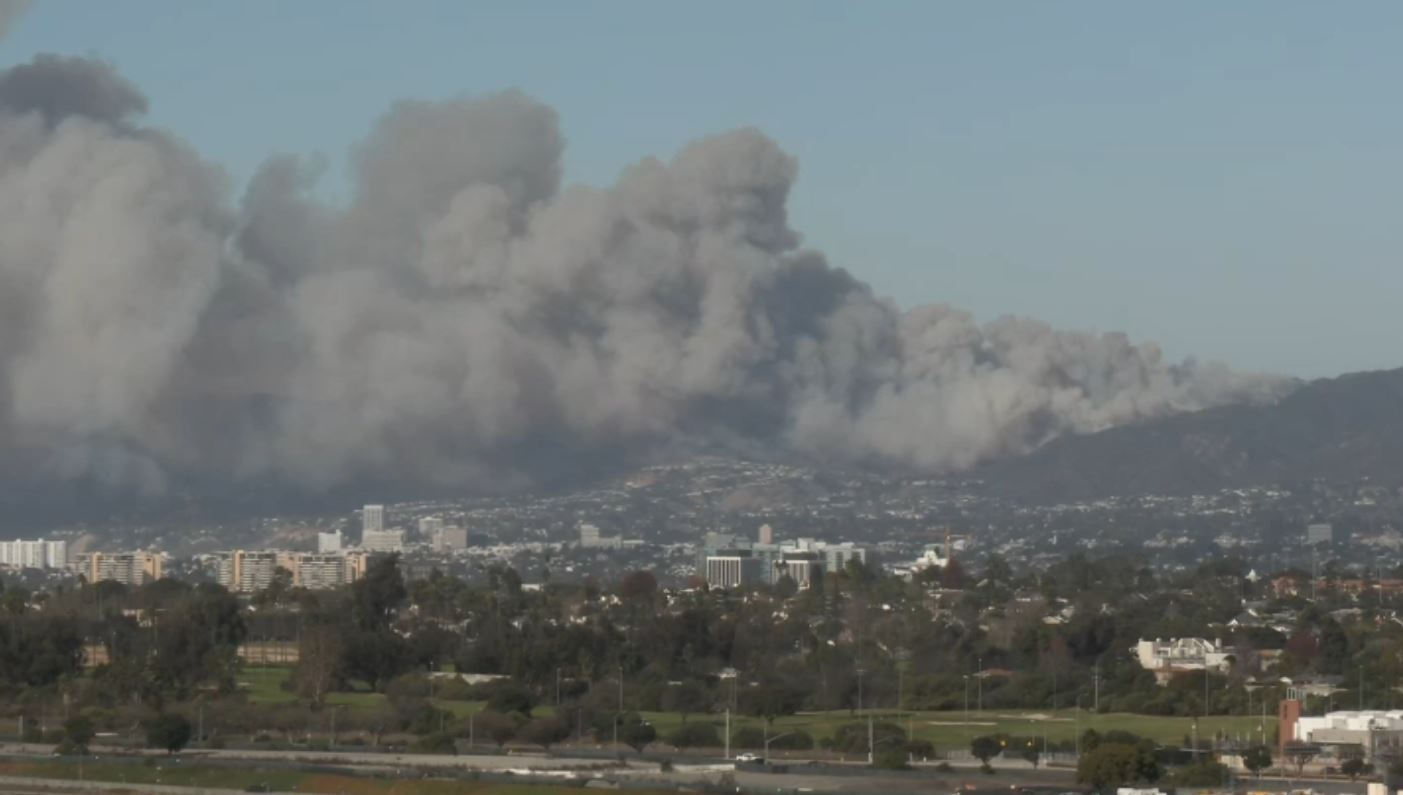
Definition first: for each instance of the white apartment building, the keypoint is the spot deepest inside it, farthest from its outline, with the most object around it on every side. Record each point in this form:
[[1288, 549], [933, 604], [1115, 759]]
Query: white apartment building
[[451, 538], [1319, 533], [372, 519], [430, 527], [732, 571], [319, 572], [247, 572], [329, 542], [34, 554], [805, 571], [382, 541], [1183, 654], [591, 539]]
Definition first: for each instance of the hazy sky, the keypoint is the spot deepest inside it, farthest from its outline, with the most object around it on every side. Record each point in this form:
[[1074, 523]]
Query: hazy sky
[[1222, 178]]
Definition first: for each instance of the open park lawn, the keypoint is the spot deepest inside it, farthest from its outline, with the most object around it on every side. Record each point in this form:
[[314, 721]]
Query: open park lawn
[[945, 730]]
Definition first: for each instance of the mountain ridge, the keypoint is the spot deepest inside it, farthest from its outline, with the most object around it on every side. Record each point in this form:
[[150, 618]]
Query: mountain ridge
[[1345, 428]]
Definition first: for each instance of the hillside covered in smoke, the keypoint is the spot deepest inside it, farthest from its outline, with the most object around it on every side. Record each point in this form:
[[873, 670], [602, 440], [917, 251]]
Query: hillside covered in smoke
[[464, 320]]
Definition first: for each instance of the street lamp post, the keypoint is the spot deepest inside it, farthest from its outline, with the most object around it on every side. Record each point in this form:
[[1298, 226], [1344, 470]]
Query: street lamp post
[[966, 677], [769, 739], [1077, 730], [334, 710], [620, 714], [979, 685]]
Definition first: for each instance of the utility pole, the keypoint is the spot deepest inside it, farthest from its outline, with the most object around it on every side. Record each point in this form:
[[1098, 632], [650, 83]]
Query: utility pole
[[966, 703], [860, 671], [728, 734], [619, 716], [557, 689], [1313, 574], [900, 687], [870, 752], [979, 686], [1096, 697]]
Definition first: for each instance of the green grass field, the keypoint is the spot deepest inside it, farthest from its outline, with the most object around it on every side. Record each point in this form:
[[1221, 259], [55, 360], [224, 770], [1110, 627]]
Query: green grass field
[[948, 729], [265, 687]]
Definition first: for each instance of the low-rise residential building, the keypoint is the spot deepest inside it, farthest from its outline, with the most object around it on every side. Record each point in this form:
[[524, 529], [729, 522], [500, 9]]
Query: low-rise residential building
[[1377, 733], [1177, 655]]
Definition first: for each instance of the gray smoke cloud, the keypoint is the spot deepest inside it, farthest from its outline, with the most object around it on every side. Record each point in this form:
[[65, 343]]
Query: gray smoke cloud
[[465, 320]]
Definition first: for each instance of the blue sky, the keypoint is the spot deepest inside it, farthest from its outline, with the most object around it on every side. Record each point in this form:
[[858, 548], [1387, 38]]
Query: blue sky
[[1223, 178]]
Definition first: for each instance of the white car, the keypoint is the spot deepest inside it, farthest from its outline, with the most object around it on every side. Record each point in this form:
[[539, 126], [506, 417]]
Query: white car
[[749, 758]]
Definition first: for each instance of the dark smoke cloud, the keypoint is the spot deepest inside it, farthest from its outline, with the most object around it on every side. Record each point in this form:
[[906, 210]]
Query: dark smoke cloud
[[465, 320], [58, 87]]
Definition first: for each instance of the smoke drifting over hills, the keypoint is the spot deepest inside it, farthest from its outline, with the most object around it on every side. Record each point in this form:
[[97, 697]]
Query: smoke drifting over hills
[[465, 320]]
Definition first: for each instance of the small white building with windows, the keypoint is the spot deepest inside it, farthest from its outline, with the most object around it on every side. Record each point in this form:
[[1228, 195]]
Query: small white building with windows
[[1178, 655]]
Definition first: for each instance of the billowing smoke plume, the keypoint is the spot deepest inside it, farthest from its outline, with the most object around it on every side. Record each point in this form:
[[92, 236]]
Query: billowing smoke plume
[[465, 320]]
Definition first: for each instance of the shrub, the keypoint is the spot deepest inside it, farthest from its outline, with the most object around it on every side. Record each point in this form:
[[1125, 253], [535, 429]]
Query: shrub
[[748, 737], [1113, 765], [1206, 773], [437, 743], [984, 749], [169, 731], [890, 759], [491, 726], [853, 737], [450, 689], [544, 732], [798, 740], [922, 748], [695, 735], [507, 697]]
